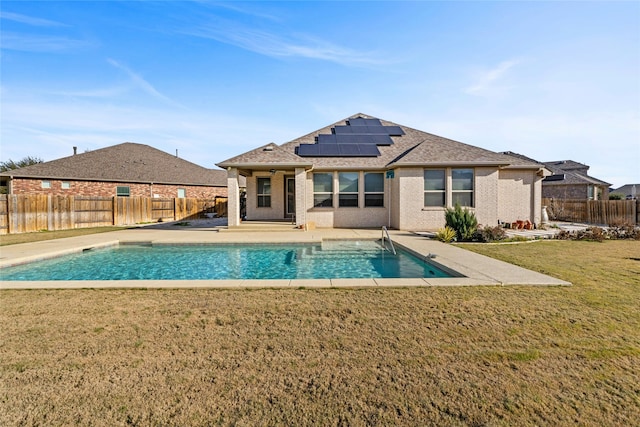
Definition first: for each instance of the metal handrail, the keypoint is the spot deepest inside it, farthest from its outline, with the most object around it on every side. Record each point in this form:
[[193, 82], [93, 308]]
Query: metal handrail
[[385, 231]]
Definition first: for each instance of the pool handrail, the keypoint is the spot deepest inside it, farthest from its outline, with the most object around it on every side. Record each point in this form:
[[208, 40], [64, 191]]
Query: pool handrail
[[385, 231]]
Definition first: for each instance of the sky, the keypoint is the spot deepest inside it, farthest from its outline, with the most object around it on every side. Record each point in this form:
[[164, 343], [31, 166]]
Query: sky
[[550, 80]]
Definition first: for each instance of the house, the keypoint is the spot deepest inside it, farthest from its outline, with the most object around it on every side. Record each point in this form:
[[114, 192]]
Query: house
[[569, 180], [629, 191], [126, 169], [365, 172]]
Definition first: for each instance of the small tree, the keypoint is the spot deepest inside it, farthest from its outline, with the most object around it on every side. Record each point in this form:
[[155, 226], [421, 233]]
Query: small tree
[[464, 222], [11, 165]]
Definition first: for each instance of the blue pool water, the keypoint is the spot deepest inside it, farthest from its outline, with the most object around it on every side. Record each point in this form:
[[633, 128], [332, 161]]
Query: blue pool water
[[336, 259]]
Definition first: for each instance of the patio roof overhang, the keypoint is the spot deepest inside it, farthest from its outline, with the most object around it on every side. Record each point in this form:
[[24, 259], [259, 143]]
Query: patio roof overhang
[[247, 169]]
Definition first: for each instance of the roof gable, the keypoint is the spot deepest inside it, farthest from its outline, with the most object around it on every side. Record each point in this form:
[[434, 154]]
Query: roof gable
[[126, 162], [407, 147]]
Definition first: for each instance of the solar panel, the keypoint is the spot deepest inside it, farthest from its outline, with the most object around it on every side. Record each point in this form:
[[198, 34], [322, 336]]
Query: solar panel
[[308, 150], [394, 130], [364, 139], [359, 137], [327, 139], [368, 150], [348, 149], [359, 121], [328, 150]]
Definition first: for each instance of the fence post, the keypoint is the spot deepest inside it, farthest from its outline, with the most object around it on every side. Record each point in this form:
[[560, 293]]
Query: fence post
[[175, 209], [49, 213]]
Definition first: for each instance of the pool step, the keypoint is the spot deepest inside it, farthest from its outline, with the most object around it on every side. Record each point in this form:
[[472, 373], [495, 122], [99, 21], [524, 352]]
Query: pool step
[[249, 226]]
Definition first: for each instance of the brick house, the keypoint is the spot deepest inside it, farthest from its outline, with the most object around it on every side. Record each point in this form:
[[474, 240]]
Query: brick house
[[570, 180], [126, 169], [363, 172]]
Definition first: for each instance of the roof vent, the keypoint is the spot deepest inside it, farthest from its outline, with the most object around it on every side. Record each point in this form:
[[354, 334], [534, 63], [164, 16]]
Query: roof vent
[[269, 147]]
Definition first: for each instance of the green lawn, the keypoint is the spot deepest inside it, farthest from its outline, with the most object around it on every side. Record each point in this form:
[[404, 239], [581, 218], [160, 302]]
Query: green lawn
[[450, 356]]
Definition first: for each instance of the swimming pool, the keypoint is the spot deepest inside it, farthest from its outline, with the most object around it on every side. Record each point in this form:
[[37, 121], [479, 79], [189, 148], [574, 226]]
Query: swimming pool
[[328, 260]]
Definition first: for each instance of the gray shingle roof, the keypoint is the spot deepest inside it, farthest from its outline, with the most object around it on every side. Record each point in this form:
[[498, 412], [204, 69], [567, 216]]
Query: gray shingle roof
[[127, 162], [574, 172], [628, 190], [415, 147]]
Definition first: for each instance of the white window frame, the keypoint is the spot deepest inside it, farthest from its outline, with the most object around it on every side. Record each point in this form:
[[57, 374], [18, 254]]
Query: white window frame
[[348, 193], [373, 193], [263, 200], [120, 191], [442, 192], [327, 196]]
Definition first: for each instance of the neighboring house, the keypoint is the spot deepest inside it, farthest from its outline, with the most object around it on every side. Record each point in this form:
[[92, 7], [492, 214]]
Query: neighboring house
[[126, 169], [629, 191], [365, 172], [569, 180]]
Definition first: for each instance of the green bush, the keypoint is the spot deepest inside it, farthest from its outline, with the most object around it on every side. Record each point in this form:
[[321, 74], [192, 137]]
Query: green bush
[[463, 221], [446, 234]]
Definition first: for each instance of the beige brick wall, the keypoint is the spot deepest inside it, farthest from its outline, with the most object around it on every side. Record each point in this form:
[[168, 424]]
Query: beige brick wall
[[498, 195], [347, 217], [413, 215], [108, 189], [517, 198], [276, 211]]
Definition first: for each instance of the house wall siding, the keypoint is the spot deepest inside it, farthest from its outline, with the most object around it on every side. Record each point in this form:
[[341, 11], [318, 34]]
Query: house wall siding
[[517, 196], [276, 210], [413, 215], [108, 189], [578, 191], [505, 195], [352, 217]]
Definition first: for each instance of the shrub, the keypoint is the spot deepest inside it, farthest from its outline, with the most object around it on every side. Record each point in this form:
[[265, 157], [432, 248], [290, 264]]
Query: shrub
[[599, 234], [446, 234], [463, 221], [491, 234]]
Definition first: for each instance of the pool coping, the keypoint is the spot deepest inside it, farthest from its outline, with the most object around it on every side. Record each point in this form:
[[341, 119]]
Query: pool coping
[[477, 269]]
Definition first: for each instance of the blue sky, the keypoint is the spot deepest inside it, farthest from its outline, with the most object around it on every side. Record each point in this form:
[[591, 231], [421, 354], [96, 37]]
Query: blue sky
[[551, 80]]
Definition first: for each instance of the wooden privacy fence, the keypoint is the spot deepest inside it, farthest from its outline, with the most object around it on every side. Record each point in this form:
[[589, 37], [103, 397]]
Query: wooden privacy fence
[[37, 212], [601, 212]]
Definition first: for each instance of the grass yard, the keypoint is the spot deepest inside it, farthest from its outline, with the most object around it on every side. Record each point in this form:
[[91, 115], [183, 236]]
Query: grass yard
[[466, 356], [13, 239]]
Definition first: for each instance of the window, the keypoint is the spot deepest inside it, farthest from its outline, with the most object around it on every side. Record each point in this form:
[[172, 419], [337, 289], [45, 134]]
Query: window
[[122, 191], [323, 190], [182, 193], [66, 185], [264, 192], [373, 189], [434, 189], [462, 187], [46, 184], [348, 189]]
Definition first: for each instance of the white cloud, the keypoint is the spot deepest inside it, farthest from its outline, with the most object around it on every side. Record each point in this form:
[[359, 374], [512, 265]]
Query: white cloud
[[488, 81], [268, 44], [29, 20], [141, 83], [36, 43]]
